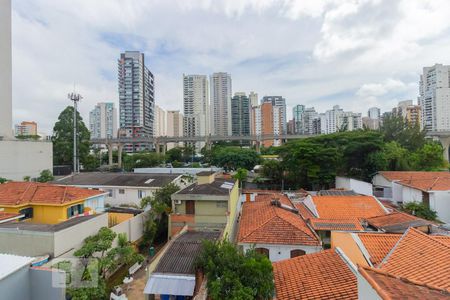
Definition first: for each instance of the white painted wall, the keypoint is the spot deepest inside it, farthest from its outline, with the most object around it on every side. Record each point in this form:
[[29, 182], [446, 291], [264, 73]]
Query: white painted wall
[[280, 252], [409, 194], [365, 290], [380, 180], [358, 186], [397, 192], [133, 228], [130, 195], [440, 202], [24, 158]]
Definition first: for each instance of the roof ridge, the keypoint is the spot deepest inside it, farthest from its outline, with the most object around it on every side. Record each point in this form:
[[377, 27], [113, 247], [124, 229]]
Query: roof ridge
[[385, 259], [373, 283], [30, 184], [299, 228], [434, 183], [258, 227], [64, 195], [404, 279]]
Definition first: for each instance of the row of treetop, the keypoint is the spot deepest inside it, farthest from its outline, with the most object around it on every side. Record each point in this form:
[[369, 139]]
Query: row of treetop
[[309, 163]]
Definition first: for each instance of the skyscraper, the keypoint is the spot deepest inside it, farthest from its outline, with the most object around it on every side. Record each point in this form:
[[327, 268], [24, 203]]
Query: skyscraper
[[253, 98], [220, 104], [240, 115], [196, 107], [374, 113], [266, 120], [136, 98], [308, 117], [280, 102], [103, 121], [434, 97], [5, 70], [174, 126], [160, 122], [297, 113]]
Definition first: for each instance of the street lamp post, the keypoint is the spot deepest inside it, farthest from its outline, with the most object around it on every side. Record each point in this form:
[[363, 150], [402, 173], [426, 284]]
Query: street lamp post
[[76, 163]]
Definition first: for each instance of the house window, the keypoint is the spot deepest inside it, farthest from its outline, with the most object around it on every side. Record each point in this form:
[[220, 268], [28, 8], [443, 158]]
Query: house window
[[121, 191], [141, 194], [222, 204], [75, 210], [110, 193], [27, 213], [297, 252], [263, 251], [190, 207]]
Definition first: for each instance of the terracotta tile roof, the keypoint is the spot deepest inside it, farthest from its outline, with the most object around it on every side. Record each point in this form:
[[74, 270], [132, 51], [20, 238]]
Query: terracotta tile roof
[[7, 215], [421, 258], [321, 275], [378, 245], [268, 197], [353, 224], [262, 222], [397, 222], [443, 238], [425, 181], [392, 287], [26, 193], [304, 211], [347, 207]]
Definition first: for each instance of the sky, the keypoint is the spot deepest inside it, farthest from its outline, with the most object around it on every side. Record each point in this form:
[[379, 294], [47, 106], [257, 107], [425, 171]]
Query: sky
[[320, 53]]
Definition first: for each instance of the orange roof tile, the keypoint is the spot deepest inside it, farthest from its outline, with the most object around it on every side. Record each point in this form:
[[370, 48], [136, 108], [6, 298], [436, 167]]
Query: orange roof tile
[[421, 258], [26, 193], [347, 207], [390, 287], [336, 224], [7, 215], [396, 222], [443, 238], [378, 245], [425, 181], [321, 275], [262, 222], [304, 211]]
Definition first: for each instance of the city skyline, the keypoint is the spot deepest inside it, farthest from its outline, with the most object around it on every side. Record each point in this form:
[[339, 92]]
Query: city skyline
[[327, 63]]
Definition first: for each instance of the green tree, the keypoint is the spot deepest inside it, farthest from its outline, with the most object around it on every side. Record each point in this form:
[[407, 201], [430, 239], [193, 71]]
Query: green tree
[[232, 274], [91, 162], [26, 178], [142, 160], [272, 169], [45, 176], [233, 158], [396, 128], [174, 154], [241, 175], [429, 157], [393, 157], [420, 210], [63, 138], [156, 227], [3, 180]]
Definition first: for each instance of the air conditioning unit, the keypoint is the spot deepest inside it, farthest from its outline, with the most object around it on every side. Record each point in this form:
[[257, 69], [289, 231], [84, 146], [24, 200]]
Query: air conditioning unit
[[177, 202]]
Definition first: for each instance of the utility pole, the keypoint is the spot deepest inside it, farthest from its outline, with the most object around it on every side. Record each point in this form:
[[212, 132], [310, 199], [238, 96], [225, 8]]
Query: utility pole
[[76, 162]]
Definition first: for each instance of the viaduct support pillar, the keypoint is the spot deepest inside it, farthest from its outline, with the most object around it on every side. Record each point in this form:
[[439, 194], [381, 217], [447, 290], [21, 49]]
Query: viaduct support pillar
[[258, 147], [445, 141], [119, 155], [110, 154]]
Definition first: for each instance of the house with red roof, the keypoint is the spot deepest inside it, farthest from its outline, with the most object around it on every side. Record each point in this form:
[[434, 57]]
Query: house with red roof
[[48, 203], [339, 213], [429, 188], [272, 225]]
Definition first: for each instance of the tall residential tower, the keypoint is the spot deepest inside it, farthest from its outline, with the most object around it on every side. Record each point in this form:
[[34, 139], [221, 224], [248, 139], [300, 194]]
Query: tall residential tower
[[103, 121], [136, 98], [220, 104]]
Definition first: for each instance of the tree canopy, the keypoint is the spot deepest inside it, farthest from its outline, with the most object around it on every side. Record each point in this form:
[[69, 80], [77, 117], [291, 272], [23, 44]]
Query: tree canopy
[[233, 158], [63, 138], [232, 274], [142, 160]]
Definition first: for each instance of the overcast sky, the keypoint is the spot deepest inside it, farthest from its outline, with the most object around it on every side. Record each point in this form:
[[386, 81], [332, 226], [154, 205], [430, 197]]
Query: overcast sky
[[319, 53]]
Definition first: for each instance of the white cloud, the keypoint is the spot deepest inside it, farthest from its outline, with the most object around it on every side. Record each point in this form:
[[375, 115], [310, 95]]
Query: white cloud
[[318, 53]]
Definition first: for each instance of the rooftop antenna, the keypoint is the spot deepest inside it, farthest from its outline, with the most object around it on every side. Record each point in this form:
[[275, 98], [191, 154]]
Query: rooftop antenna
[[76, 161]]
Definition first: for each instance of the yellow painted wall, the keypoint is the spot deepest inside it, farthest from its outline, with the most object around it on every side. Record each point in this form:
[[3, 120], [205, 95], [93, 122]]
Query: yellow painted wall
[[346, 243], [232, 206], [46, 214], [117, 218]]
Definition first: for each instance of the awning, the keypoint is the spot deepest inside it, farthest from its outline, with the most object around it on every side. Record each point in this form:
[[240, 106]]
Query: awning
[[165, 284]]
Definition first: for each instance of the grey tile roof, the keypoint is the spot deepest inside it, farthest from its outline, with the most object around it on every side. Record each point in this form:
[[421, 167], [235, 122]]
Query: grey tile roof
[[181, 255], [118, 179], [337, 193], [46, 227], [214, 188]]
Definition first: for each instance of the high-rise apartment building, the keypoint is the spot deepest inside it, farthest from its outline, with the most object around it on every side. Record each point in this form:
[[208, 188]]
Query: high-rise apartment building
[[103, 121], [434, 98], [196, 107], [253, 98], [220, 104], [410, 112], [26, 128], [280, 102], [349, 121], [136, 98], [267, 120], [373, 119], [297, 115], [5, 70], [174, 127], [374, 113], [308, 117], [160, 122], [240, 115]]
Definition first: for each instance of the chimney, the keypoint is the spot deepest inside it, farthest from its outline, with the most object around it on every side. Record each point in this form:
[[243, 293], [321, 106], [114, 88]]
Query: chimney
[[206, 177]]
